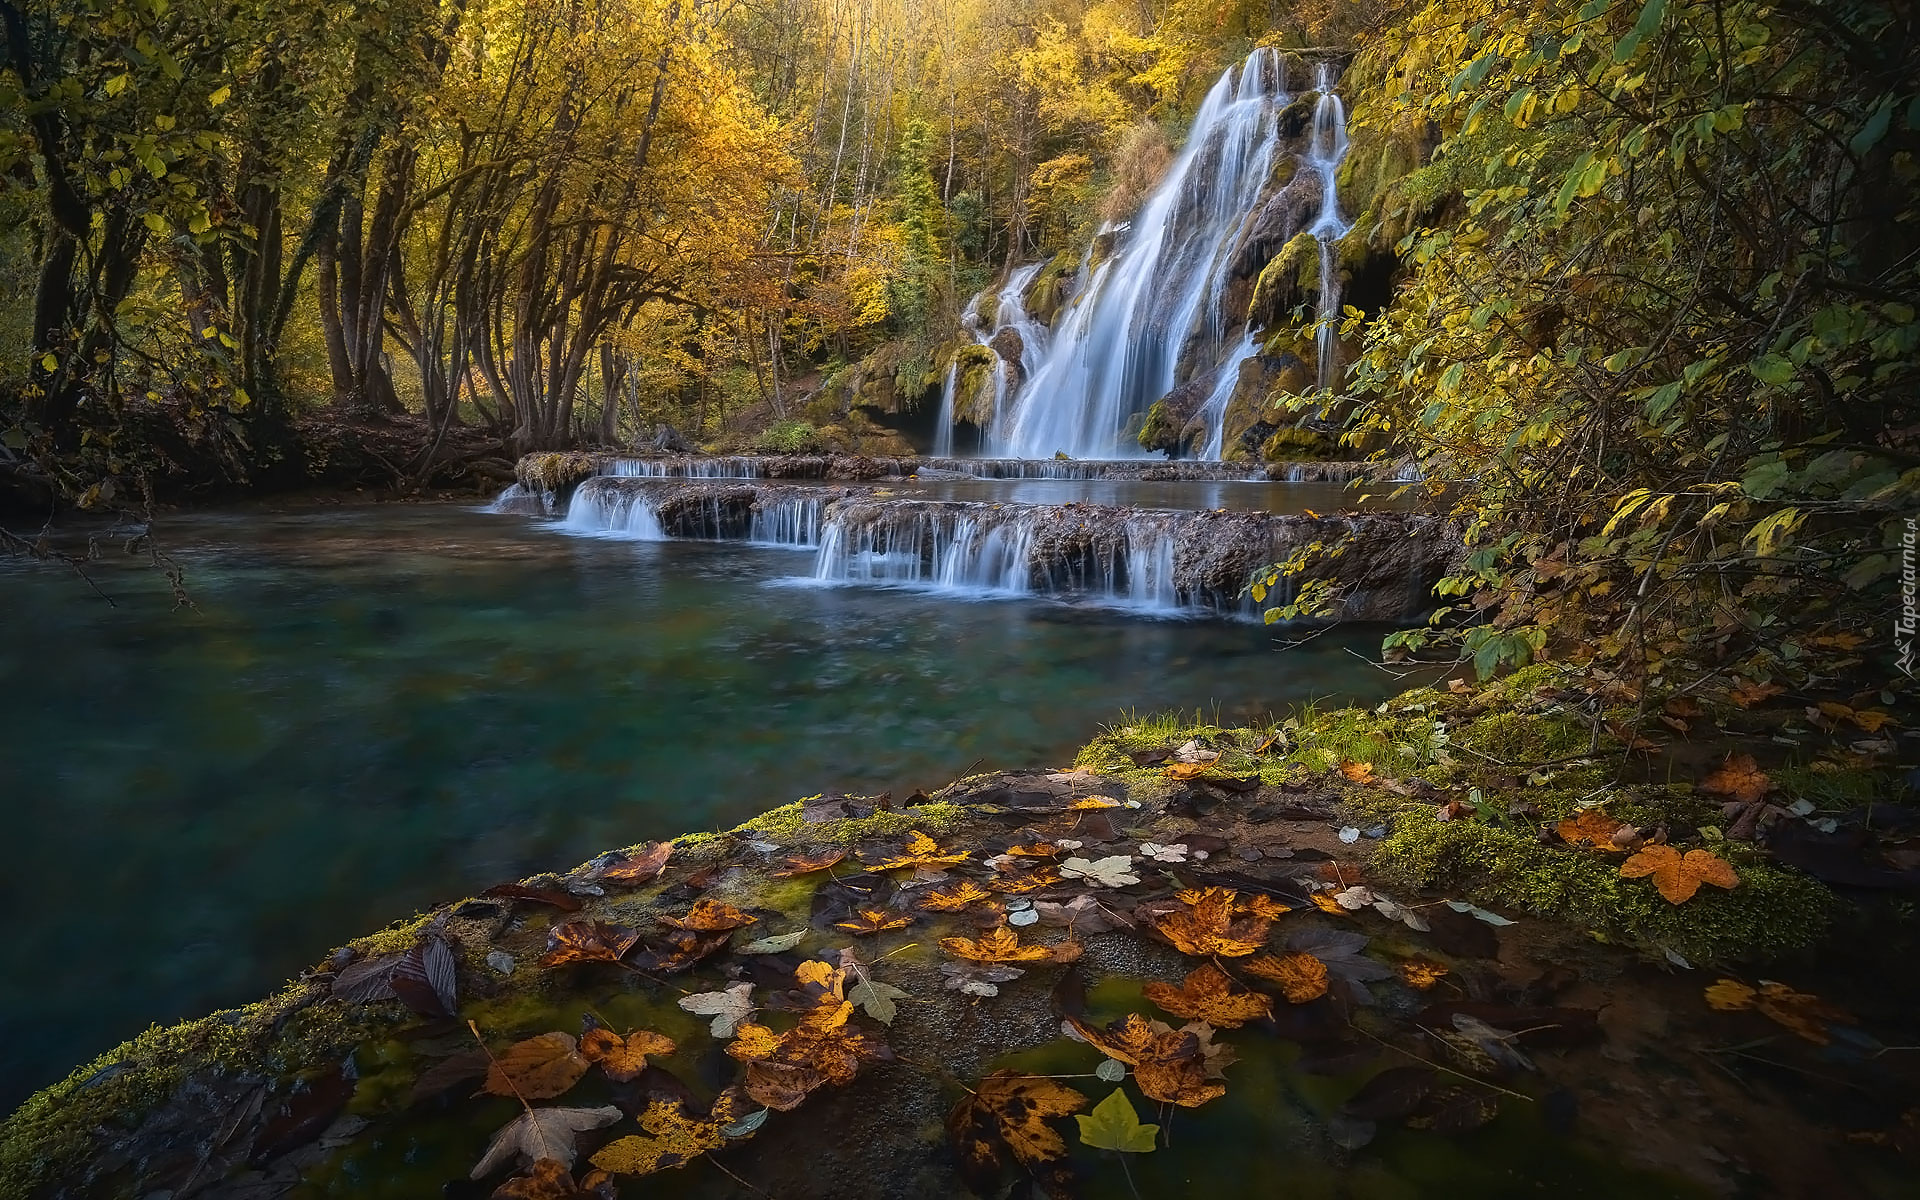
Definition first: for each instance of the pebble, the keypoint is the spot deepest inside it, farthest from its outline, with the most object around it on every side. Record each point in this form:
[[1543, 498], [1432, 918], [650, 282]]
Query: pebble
[[500, 961]]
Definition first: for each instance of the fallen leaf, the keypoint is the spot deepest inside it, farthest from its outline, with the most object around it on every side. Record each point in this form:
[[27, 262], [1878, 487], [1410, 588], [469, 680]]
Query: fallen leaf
[[1029, 881], [782, 1068], [588, 941], [1002, 944], [1805, 1014], [1357, 772], [921, 851], [877, 999], [549, 1179], [1679, 876], [1168, 853], [538, 1068], [1263, 906], [541, 1133], [1170, 1065], [978, 979], [1747, 694], [1011, 1110], [622, 1058], [1209, 994], [954, 897], [557, 898], [1035, 850], [1301, 977], [1591, 827], [1327, 903], [1113, 871], [1114, 1125], [869, 921], [1082, 914], [709, 916], [1738, 779], [1187, 770], [677, 1139], [1207, 925], [1421, 973], [806, 864], [778, 944], [643, 865], [728, 1008]]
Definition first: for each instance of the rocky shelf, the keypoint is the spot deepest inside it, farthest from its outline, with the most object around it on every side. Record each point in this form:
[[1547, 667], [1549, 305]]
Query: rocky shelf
[[1171, 561], [1279, 960]]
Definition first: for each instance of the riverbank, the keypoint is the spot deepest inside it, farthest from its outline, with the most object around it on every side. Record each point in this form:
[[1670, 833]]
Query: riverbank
[[1412, 944]]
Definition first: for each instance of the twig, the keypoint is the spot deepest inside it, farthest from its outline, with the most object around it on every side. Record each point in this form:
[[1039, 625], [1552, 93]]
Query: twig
[[730, 1175]]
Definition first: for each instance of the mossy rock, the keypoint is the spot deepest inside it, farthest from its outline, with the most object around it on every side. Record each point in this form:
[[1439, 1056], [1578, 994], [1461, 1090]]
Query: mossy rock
[[1297, 444], [1048, 291]]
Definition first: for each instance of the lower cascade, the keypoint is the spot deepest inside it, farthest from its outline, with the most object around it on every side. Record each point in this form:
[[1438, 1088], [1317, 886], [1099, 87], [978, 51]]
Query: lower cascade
[[1171, 562]]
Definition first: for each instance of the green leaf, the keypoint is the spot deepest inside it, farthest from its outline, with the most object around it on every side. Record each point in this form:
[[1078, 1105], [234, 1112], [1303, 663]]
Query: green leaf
[[1113, 1125], [1648, 24], [219, 95], [1875, 129], [1772, 368]]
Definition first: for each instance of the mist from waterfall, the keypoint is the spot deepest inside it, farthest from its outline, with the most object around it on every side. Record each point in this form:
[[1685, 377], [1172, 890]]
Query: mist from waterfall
[[1123, 337]]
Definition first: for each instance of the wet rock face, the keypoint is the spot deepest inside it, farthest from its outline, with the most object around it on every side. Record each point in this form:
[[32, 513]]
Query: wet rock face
[[1009, 345]]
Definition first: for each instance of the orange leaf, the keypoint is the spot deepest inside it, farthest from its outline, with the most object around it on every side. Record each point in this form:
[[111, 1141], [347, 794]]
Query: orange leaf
[[1208, 926], [1300, 975], [710, 916], [1170, 1065], [1357, 772], [1737, 779], [1010, 1108], [1421, 974], [1002, 944], [1264, 906], [805, 864], [954, 897], [1591, 826], [921, 851], [1679, 876], [874, 920], [1325, 902], [640, 867], [588, 941], [622, 1058], [1208, 994], [1183, 770]]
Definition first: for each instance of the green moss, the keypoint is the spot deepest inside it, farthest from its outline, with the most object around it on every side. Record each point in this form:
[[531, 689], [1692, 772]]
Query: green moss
[[1524, 739], [1294, 444], [785, 824], [1771, 913]]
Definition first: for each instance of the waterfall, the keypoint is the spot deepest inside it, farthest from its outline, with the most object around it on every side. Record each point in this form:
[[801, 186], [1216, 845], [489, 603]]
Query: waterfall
[[943, 423], [1010, 312], [1125, 334], [601, 508], [793, 521], [730, 467], [1215, 409], [1328, 147]]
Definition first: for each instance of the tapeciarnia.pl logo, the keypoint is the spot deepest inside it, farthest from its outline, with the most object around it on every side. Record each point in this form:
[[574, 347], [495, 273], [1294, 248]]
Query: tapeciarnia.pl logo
[[1903, 626]]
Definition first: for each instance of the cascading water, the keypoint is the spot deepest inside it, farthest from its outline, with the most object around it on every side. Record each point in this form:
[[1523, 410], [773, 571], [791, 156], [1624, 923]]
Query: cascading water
[[1328, 147], [943, 424], [733, 467], [601, 507], [1125, 335], [1010, 312]]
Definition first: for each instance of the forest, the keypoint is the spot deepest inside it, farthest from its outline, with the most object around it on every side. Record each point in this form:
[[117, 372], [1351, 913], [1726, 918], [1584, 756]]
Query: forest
[[1431, 488]]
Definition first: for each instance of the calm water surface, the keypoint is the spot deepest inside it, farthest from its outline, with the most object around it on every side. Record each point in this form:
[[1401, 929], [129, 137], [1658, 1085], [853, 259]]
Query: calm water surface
[[371, 710]]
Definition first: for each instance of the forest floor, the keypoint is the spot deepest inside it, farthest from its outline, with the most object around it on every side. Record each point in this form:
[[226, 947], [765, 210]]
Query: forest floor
[[1390, 952]]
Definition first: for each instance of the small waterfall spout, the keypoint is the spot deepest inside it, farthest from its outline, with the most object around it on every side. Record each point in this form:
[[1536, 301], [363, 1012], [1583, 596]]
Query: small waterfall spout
[[1157, 298], [1328, 147], [1009, 312]]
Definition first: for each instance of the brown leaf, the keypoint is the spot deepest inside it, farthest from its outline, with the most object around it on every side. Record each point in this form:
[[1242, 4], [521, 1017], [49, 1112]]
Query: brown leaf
[[875, 920], [1170, 1065], [1805, 1014], [588, 941], [1738, 779], [823, 1048], [709, 916], [563, 900], [1207, 925], [1011, 1109], [921, 851], [1002, 944], [1592, 827], [806, 864], [538, 1068], [622, 1058], [1208, 994], [549, 1179], [1300, 976], [1747, 694], [541, 1133], [1678, 877], [642, 866], [1030, 881]]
